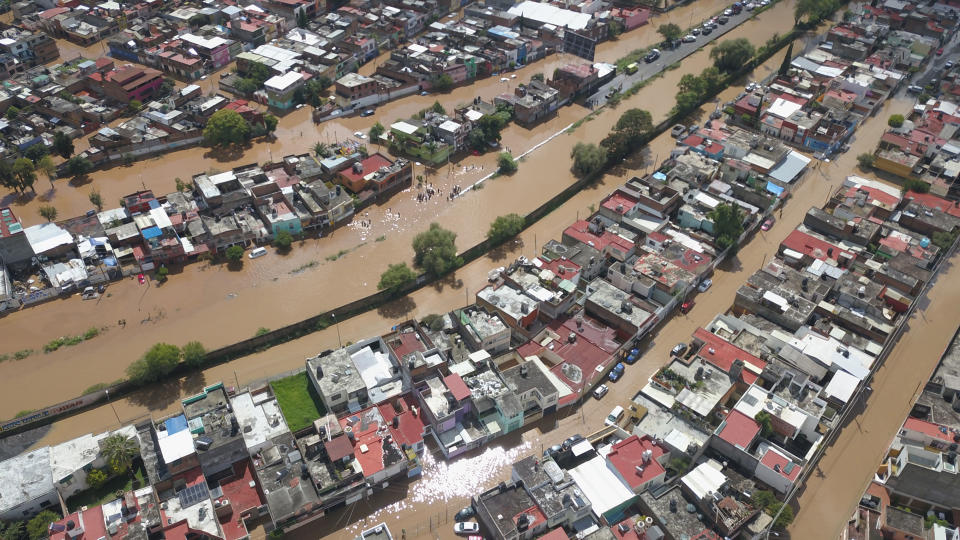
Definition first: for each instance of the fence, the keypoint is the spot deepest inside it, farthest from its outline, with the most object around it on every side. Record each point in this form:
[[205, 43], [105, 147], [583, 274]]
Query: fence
[[323, 320]]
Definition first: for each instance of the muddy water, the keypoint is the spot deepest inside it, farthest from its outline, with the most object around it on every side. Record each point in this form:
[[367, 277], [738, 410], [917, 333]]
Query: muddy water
[[276, 290]]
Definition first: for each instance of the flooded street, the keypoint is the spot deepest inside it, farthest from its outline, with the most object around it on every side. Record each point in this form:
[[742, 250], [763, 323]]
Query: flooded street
[[276, 290]]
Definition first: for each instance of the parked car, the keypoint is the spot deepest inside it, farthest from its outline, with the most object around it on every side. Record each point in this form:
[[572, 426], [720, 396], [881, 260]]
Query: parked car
[[652, 56], [368, 112], [257, 252], [686, 306], [677, 130], [141, 279], [695, 31], [465, 514], [600, 391], [424, 93], [466, 527], [914, 89], [723, 20], [706, 31], [572, 440], [727, 12], [749, 6], [616, 372], [359, 135], [704, 285], [737, 7], [615, 416], [767, 224], [949, 64], [689, 38], [678, 349]]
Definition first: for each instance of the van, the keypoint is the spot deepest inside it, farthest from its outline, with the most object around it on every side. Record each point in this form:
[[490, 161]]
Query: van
[[615, 416], [257, 252], [632, 68]]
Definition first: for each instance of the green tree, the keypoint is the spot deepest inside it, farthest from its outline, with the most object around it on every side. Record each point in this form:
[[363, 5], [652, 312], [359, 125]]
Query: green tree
[[13, 113], [96, 199], [25, 173], [134, 106], [13, 530], [635, 121], [48, 168], [614, 29], [78, 166], [321, 150], [38, 527], [97, 478], [865, 160], [727, 225], [156, 363], [477, 139], [787, 59], [258, 72], [786, 515], [48, 212], [504, 228], [814, 10], [396, 276], [270, 123], [943, 240], [617, 145], [234, 254], [686, 102], [763, 498], [377, 131], [246, 85], [506, 164], [302, 20], [670, 31], [62, 144], [437, 107], [895, 120], [732, 54], [162, 273], [194, 353], [283, 240], [118, 450], [693, 84], [435, 250], [226, 127], [537, 77], [588, 159], [914, 185], [199, 20], [313, 92], [36, 152], [7, 178], [442, 83], [766, 423]]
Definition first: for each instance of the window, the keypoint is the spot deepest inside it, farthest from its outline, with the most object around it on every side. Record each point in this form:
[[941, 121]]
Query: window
[[44, 504]]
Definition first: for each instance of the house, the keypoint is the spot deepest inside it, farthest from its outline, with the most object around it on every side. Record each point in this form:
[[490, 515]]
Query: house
[[356, 376], [378, 174], [128, 83], [281, 90], [220, 443], [639, 462], [482, 330]]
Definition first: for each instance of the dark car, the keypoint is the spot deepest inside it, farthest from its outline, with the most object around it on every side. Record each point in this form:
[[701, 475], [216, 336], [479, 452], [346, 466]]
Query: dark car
[[678, 349], [652, 56], [465, 514], [368, 112], [616, 372], [723, 20]]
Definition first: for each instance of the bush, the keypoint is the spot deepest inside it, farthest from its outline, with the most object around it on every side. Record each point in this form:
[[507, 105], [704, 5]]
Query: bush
[[588, 159], [433, 322], [235, 254], [916, 186], [865, 160], [262, 331], [505, 227], [283, 240], [162, 274], [155, 364], [786, 515], [435, 250], [506, 164], [38, 527], [194, 353], [895, 120], [763, 498], [732, 54], [97, 478], [396, 276]]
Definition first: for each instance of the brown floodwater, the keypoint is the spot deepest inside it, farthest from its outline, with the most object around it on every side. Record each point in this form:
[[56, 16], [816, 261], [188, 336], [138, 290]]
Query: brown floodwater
[[403, 506]]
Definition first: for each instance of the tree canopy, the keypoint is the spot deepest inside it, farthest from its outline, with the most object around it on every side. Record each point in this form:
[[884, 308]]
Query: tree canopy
[[442, 83], [732, 54], [396, 276], [25, 173], [283, 240], [377, 131], [670, 31], [435, 250], [504, 228], [588, 159], [38, 527], [78, 166], [895, 120], [234, 254], [119, 451], [154, 364], [194, 353], [62, 144], [48, 212], [727, 225], [226, 127], [506, 164]]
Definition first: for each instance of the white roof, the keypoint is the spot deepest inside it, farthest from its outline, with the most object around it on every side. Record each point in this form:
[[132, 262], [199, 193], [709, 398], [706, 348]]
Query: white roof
[[200, 41], [176, 446], [841, 386], [26, 477], [282, 82], [160, 218], [259, 421], [47, 236], [706, 200], [550, 14], [375, 368], [108, 216], [703, 480], [788, 171], [473, 115], [783, 108], [404, 127], [450, 126], [600, 485], [222, 177], [754, 158], [857, 181]]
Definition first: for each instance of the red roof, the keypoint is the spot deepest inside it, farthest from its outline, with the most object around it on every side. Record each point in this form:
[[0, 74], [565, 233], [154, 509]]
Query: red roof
[[631, 533], [594, 344], [627, 455], [773, 458], [405, 343], [570, 268], [555, 534], [932, 201], [874, 194], [580, 231], [368, 444], [371, 164], [91, 520], [722, 354], [928, 428], [739, 429], [410, 427], [338, 448], [457, 387], [243, 492], [812, 246], [619, 203]]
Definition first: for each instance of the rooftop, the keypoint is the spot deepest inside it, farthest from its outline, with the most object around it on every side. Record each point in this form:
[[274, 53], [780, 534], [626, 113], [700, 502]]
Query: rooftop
[[738, 429], [672, 511], [636, 459], [26, 477]]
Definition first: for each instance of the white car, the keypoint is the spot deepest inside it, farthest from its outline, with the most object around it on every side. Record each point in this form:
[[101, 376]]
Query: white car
[[600, 391], [689, 38], [615, 416], [257, 252], [359, 135], [466, 527], [704, 285]]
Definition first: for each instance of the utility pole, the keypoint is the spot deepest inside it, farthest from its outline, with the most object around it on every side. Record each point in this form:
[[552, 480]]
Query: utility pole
[[107, 391], [337, 324]]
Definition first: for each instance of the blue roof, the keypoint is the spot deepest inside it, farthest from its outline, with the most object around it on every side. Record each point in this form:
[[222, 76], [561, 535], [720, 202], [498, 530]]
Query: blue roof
[[774, 188], [659, 176], [176, 424], [154, 204], [151, 232]]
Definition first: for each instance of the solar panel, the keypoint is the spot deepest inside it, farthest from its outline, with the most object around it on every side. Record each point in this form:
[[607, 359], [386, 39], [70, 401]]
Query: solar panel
[[193, 494]]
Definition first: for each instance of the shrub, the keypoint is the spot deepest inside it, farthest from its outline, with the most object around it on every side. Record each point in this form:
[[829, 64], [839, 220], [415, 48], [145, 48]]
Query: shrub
[[895, 120], [97, 478], [916, 186], [505, 227], [162, 274], [156, 363], [283, 240], [234, 254], [194, 353], [865, 160], [396, 276]]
